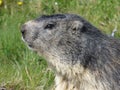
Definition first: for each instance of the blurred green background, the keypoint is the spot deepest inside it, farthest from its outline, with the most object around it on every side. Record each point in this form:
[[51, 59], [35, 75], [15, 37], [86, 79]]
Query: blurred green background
[[22, 69]]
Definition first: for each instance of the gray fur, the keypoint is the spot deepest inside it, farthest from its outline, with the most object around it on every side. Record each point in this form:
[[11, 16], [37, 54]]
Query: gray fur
[[68, 40]]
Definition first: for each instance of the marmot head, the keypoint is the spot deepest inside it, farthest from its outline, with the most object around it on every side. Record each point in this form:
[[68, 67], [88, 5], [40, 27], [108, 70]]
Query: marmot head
[[60, 35]]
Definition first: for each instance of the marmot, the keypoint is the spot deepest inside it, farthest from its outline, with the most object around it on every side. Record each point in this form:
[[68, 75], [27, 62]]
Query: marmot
[[82, 57]]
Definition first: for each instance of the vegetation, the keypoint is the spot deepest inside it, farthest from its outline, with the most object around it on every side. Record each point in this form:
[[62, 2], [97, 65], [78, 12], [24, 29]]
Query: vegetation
[[22, 69]]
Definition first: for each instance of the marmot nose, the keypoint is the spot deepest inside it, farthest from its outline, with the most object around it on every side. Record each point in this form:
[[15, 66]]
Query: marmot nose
[[23, 30]]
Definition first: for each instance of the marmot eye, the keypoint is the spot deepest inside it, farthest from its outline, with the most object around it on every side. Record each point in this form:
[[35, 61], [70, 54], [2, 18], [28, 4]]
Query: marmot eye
[[49, 26]]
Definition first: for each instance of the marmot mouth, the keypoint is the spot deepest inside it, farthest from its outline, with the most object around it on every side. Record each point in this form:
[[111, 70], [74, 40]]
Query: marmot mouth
[[30, 46], [23, 39]]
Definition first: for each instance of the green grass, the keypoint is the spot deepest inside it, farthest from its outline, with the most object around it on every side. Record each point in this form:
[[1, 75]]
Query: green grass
[[22, 69]]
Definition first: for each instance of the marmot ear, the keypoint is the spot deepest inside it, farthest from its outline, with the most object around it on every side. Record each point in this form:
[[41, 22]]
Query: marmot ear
[[76, 25]]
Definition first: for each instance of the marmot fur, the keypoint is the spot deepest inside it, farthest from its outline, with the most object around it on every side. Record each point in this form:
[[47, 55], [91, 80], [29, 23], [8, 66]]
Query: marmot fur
[[82, 57]]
